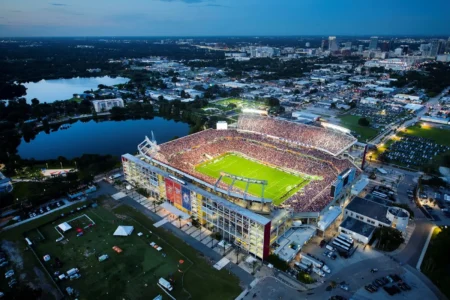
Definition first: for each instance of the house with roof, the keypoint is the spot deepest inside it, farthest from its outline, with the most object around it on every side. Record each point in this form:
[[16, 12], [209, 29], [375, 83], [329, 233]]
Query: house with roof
[[363, 215]]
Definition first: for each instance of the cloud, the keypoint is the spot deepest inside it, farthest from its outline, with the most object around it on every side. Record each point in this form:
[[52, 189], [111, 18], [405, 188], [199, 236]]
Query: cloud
[[15, 11], [59, 4]]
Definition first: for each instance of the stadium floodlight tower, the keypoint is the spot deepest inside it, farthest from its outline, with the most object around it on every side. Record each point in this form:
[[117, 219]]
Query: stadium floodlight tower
[[148, 148]]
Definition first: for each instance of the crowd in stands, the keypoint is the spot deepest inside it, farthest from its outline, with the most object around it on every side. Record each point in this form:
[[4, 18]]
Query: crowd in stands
[[187, 152], [333, 142]]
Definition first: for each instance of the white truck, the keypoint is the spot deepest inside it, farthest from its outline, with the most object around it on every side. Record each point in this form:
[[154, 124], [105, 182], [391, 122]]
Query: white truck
[[302, 266], [164, 283], [319, 272], [115, 176]]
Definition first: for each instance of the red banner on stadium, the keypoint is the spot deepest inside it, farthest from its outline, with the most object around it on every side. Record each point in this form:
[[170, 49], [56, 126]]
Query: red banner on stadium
[[177, 192], [170, 192]]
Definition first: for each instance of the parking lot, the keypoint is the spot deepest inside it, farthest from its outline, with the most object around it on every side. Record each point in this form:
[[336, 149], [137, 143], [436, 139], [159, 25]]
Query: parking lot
[[379, 116], [339, 263], [413, 151]]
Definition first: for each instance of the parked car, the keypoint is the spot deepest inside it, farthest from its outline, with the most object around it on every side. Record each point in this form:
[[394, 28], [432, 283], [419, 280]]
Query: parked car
[[345, 287]]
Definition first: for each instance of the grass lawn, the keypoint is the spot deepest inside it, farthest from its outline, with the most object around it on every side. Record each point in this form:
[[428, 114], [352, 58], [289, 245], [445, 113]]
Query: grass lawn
[[436, 264], [132, 274], [440, 136], [241, 103], [281, 185], [351, 122]]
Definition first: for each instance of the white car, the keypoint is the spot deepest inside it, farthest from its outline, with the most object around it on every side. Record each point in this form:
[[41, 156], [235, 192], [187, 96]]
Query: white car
[[326, 269]]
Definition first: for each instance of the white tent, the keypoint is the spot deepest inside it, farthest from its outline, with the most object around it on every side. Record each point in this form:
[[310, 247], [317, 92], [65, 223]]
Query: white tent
[[64, 226], [124, 230]]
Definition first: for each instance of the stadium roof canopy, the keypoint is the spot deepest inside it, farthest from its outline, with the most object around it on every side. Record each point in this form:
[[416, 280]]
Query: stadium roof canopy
[[175, 211], [64, 226], [123, 230]]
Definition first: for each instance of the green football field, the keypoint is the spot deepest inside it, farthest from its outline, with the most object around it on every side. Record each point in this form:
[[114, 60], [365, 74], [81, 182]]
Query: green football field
[[280, 184]]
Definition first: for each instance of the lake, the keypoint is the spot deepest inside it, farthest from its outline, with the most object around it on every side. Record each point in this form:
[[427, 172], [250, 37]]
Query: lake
[[63, 89], [104, 137]]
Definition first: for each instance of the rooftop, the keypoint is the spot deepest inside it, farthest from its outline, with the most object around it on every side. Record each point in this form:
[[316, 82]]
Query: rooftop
[[358, 226], [369, 208]]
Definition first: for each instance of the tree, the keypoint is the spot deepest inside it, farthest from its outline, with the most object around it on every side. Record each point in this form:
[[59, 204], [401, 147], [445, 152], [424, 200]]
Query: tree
[[363, 122], [34, 101], [272, 101], [389, 238], [174, 79]]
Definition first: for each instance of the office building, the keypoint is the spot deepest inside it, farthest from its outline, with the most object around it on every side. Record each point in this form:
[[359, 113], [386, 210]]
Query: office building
[[363, 215], [434, 48], [447, 47], [373, 43], [324, 45], [333, 44], [107, 105]]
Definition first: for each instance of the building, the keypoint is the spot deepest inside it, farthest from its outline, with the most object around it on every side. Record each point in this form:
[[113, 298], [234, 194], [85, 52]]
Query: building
[[107, 105], [251, 222], [5, 184], [233, 222], [333, 44], [447, 47], [373, 45], [364, 215], [434, 48]]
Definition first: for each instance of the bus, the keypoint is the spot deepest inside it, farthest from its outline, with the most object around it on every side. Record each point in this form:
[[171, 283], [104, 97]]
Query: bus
[[380, 195], [345, 242], [345, 237], [341, 246], [315, 262]]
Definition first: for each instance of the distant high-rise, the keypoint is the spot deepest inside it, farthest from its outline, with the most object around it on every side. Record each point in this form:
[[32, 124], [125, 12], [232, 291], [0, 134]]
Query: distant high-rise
[[441, 47], [348, 44], [373, 43], [307, 44], [434, 48], [447, 48], [360, 48], [332, 44], [324, 45]]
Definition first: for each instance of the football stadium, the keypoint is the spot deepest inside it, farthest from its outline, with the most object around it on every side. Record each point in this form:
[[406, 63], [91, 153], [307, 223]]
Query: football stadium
[[250, 182]]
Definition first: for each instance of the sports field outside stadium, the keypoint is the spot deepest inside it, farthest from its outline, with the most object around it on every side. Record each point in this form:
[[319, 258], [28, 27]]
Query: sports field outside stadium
[[280, 184]]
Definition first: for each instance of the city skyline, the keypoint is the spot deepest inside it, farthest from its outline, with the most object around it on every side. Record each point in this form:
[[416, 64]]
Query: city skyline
[[222, 18]]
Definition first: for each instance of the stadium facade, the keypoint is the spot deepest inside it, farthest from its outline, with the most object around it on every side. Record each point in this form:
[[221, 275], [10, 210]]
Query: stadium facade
[[249, 221]]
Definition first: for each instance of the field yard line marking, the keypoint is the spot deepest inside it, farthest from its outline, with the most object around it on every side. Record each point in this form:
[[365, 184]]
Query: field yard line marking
[[40, 233], [92, 211]]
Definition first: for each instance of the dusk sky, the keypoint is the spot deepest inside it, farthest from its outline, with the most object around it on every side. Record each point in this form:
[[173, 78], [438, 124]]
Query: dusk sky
[[223, 17]]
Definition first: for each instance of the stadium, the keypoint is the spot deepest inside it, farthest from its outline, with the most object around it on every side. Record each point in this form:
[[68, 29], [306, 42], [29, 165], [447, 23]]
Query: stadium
[[249, 182]]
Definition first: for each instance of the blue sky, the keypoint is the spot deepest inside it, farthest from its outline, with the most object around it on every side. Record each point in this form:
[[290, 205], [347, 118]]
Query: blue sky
[[223, 17]]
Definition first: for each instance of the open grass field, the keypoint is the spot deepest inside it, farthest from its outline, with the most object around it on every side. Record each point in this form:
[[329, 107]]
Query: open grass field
[[241, 103], [439, 135], [351, 122], [281, 185], [132, 274]]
